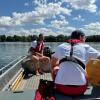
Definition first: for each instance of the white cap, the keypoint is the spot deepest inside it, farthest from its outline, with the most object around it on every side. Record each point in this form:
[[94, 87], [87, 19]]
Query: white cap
[[34, 43]]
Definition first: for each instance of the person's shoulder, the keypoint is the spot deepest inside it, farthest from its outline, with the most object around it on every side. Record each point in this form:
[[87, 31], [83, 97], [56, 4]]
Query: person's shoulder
[[85, 45], [34, 43], [63, 45]]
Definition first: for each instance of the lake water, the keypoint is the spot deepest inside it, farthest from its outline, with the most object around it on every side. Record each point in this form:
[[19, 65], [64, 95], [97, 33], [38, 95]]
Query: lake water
[[11, 50]]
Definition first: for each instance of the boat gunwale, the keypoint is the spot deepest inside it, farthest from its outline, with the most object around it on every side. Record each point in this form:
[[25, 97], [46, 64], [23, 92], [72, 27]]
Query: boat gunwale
[[9, 74]]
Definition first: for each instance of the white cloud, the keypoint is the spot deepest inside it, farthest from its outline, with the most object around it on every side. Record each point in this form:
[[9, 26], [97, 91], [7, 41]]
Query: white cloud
[[88, 5], [92, 28], [25, 32], [5, 21], [45, 31], [2, 31], [26, 4], [34, 17], [78, 18], [19, 19], [62, 17], [67, 30], [52, 9], [40, 2], [44, 11], [59, 24], [28, 17], [98, 13]]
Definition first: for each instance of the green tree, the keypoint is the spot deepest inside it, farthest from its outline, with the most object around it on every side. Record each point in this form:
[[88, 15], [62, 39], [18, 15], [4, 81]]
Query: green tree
[[9, 39], [2, 38], [16, 38], [60, 38], [50, 38]]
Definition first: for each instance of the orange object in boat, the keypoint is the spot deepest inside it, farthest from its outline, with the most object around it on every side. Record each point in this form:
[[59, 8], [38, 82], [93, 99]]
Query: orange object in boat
[[93, 71]]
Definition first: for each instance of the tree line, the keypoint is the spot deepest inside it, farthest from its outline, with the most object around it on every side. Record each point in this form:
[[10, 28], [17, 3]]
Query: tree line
[[50, 38]]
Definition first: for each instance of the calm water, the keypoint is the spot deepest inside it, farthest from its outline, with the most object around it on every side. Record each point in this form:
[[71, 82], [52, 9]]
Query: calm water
[[11, 50]]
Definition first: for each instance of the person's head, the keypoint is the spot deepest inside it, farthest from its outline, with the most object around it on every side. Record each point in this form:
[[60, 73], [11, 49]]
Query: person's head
[[40, 37], [78, 34]]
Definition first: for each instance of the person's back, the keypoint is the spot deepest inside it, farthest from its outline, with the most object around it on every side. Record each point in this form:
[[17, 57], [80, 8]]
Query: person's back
[[71, 76], [71, 69]]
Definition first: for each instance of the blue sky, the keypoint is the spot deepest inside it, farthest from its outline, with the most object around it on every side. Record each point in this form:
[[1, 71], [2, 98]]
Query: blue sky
[[50, 17]]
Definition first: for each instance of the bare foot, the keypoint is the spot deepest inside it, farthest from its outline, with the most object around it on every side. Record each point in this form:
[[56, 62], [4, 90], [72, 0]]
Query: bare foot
[[37, 73]]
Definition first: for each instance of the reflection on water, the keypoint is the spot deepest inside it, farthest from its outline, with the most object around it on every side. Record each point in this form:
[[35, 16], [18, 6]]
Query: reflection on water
[[95, 45], [11, 50]]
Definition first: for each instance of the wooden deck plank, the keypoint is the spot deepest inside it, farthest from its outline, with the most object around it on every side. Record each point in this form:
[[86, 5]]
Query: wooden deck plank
[[19, 95], [32, 82]]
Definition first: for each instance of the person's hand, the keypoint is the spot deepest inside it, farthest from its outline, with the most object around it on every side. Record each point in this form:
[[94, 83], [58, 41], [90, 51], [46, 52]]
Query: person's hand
[[54, 72], [39, 54]]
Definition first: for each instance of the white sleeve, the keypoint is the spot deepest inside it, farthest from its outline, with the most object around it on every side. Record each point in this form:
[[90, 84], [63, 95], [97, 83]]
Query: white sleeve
[[57, 53], [93, 53], [34, 43]]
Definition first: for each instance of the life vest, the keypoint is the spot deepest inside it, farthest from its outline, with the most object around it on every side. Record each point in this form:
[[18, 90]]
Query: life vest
[[71, 57], [39, 47]]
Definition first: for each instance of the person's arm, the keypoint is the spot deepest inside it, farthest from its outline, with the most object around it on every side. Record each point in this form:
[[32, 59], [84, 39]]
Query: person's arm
[[98, 57], [54, 67], [39, 54], [42, 48], [93, 53], [31, 49], [42, 52], [54, 62]]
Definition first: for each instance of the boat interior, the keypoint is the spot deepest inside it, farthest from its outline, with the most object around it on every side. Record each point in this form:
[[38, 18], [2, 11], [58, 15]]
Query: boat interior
[[17, 86]]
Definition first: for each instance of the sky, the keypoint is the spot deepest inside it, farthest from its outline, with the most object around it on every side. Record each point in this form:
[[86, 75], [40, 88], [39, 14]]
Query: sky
[[50, 17]]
